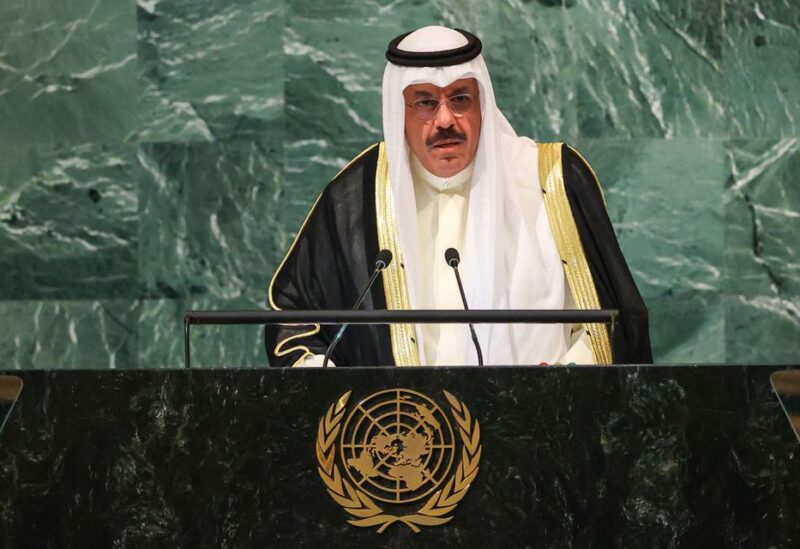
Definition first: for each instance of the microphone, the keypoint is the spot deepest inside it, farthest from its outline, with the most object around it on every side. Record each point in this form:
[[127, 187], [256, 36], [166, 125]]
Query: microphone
[[453, 259], [382, 260]]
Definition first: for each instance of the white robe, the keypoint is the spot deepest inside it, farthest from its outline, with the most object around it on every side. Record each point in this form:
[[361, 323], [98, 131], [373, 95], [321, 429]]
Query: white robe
[[442, 205]]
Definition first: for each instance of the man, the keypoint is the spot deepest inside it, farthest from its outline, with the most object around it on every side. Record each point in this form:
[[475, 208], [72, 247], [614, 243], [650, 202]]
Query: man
[[529, 221]]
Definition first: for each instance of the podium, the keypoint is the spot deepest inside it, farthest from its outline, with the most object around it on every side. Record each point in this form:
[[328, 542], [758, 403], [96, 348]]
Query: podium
[[618, 456]]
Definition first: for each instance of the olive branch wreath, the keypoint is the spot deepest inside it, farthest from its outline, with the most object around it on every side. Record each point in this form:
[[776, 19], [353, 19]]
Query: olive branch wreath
[[364, 510]]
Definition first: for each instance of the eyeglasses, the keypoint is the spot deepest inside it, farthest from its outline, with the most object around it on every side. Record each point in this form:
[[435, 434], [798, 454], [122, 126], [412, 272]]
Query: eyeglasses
[[458, 105]]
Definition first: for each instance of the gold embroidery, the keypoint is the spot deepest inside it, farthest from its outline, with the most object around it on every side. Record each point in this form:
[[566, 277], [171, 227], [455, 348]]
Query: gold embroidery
[[279, 351], [367, 450], [570, 248], [404, 346]]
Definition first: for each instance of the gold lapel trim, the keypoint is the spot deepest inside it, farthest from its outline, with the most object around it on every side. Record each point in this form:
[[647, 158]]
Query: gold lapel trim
[[570, 248], [395, 285]]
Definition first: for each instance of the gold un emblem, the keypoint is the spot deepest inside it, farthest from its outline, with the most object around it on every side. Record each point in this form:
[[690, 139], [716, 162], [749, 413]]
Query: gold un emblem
[[397, 449]]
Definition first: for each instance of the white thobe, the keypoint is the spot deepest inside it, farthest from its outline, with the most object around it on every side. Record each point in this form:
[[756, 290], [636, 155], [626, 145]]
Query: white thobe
[[442, 204]]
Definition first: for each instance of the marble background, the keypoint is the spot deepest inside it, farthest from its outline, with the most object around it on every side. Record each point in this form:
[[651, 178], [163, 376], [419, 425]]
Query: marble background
[[159, 156]]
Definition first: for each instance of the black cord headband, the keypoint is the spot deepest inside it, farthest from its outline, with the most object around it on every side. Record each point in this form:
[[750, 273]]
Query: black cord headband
[[443, 58]]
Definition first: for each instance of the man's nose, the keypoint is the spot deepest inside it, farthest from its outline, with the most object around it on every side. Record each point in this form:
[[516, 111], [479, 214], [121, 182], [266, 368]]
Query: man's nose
[[444, 116]]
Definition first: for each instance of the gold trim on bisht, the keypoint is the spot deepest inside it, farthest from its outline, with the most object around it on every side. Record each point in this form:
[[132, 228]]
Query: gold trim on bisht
[[570, 248], [315, 328], [395, 285]]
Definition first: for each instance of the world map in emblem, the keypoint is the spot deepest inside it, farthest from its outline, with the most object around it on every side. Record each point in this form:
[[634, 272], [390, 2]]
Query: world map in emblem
[[397, 445]]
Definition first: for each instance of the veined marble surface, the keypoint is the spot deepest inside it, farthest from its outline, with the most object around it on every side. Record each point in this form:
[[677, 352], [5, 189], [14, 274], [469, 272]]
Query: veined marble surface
[[68, 221], [761, 63], [158, 156], [633, 457], [69, 334], [762, 218], [67, 71], [210, 71]]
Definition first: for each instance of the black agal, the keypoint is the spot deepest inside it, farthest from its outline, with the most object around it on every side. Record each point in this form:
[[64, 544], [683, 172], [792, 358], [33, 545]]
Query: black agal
[[443, 58]]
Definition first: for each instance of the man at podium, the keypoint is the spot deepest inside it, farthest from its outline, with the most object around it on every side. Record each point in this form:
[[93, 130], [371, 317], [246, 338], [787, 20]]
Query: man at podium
[[528, 219]]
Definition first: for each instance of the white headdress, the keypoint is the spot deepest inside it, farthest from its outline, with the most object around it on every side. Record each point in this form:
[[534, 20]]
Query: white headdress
[[509, 259]]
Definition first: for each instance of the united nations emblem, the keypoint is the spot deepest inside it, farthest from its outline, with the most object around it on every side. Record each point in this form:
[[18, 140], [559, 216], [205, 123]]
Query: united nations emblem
[[398, 449]]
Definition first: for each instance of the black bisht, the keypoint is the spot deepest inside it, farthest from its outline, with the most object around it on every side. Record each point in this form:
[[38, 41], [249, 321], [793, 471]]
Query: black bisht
[[333, 256]]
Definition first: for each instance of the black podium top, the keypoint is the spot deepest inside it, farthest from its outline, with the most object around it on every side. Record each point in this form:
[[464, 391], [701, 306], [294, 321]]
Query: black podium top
[[512, 457]]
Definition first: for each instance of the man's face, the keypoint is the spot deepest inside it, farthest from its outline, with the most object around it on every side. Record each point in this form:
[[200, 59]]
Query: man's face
[[446, 142]]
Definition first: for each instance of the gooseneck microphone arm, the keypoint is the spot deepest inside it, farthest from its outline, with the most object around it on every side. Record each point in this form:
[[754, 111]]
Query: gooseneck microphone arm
[[382, 261], [453, 259]]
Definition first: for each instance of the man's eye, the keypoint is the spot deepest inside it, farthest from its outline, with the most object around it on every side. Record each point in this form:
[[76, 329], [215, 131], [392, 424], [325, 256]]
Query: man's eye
[[460, 99], [426, 104]]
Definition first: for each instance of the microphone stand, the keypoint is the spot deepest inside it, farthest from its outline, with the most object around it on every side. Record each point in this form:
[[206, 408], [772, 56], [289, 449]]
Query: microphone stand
[[383, 260], [453, 259]]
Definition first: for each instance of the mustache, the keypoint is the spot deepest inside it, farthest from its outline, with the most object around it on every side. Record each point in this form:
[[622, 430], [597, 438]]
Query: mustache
[[447, 134]]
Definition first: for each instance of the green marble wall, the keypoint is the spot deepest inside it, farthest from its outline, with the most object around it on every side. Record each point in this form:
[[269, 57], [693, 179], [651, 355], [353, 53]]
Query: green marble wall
[[159, 157]]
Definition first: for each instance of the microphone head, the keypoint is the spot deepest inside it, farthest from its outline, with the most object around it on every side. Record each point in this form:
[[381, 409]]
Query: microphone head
[[383, 259], [452, 257]]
